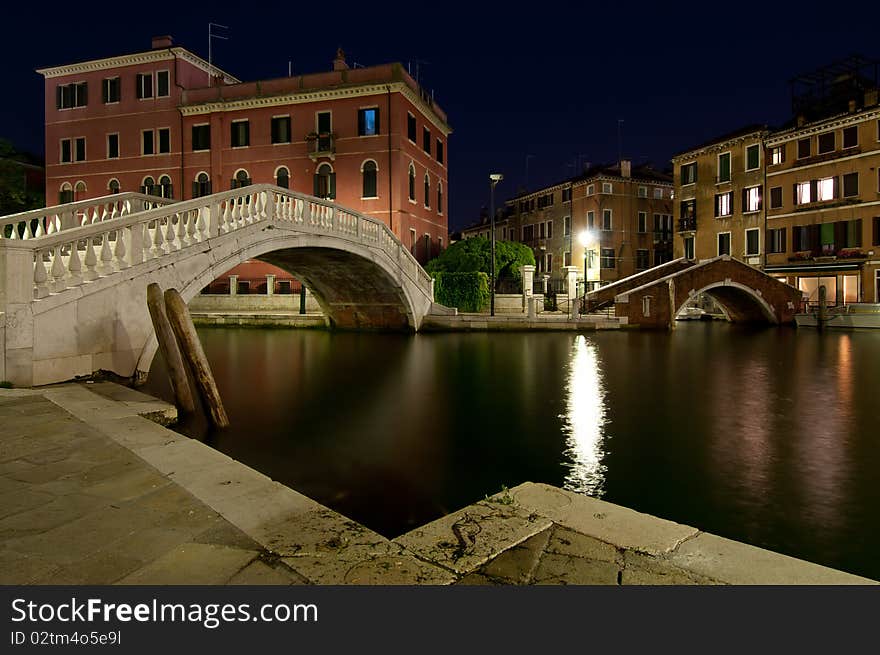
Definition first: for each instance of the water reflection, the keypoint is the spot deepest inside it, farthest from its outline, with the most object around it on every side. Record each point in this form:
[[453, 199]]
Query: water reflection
[[584, 421]]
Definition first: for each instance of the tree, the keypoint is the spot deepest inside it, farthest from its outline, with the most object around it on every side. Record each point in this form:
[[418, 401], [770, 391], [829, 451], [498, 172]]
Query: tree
[[15, 196], [471, 255]]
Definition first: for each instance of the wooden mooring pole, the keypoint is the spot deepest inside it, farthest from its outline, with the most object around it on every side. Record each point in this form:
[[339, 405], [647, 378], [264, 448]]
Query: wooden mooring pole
[[821, 317], [180, 385], [181, 322]]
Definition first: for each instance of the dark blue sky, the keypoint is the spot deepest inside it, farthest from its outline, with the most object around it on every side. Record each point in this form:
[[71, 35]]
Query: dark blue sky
[[550, 80]]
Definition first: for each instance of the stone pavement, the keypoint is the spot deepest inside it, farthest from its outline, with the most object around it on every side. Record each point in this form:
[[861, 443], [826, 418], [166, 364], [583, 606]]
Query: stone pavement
[[91, 492]]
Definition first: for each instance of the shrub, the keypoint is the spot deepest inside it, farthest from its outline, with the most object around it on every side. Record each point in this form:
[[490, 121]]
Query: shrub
[[469, 292]]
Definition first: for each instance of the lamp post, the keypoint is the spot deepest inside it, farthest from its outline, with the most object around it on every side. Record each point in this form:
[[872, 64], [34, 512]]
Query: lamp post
[[494, 178], [585, 238]]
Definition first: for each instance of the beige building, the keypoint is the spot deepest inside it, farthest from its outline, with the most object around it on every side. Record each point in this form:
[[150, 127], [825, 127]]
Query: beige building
[[801, 202]]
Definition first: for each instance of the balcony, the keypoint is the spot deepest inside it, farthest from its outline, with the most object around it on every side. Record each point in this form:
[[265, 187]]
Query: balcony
[[828, 254], [687, 224], [321, 145]]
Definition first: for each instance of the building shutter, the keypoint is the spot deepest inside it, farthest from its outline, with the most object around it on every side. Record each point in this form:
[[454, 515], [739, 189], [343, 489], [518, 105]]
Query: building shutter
[[376, 116], [814, 190], [836, 185], [332, 186], [316, 188], [794, 194], [362, 126], [138, 86], [195, 189], [745, 198], [59, 94]]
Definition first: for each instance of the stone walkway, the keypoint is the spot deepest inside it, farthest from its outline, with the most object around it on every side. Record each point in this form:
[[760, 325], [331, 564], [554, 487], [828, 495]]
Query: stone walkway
[[91, 492]]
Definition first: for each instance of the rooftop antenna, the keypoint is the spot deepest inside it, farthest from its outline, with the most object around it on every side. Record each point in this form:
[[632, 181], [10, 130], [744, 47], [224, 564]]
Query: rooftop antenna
[[418, 63], [289, 68], [211, 37]]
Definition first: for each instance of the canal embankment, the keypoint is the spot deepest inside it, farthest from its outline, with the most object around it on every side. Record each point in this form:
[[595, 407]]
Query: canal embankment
[[94, 492]]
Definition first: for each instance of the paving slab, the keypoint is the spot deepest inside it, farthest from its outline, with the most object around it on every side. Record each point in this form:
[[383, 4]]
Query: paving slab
[[193, 564]]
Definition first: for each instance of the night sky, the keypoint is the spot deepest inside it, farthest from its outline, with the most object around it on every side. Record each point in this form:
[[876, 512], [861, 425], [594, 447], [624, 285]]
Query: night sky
[[551, 81]]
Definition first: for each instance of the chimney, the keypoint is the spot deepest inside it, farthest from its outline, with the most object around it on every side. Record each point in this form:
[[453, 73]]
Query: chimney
[[853, 105], [800, 120], [870, 97], [625, 168], [339, 63], [160, 42]]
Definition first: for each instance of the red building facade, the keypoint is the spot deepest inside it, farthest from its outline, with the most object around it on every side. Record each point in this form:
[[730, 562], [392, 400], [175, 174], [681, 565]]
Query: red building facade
[[160, 122]]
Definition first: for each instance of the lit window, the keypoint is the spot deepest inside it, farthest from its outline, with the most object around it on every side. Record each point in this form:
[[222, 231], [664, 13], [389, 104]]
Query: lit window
[[802, 193], [777, 155], [689, 173], [825, 189], [723, 204], [753, 199], [368, 122]]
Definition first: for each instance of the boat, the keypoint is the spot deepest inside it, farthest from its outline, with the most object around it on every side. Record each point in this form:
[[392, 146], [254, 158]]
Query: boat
[[854, 315]]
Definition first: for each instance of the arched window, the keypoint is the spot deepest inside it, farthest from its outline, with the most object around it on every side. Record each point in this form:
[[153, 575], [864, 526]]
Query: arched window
[[369, 172], [282, 177], [439, 198], [79, 191], [241, 178], [201, 186], [427, 191], [113, 185], [166, 190], [65, 194], [412, 182], [325, 182], [147, 185]]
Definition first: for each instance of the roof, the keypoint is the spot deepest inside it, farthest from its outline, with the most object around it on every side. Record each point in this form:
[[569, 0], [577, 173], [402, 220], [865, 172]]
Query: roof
[[641, 172], [743, 131]]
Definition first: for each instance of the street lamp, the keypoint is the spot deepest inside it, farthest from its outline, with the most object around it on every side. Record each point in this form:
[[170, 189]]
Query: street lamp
[[585, 238], [494, 178]]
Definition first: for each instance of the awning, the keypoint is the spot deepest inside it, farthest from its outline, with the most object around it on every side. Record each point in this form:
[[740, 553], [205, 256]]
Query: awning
[[817, 267]]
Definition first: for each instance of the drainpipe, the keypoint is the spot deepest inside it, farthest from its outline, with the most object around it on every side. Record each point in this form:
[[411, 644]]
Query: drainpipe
[[180, 116], [390, 178], [765, 199]]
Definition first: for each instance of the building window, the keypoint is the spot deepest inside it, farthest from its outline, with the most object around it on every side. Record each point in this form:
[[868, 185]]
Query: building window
[[607, 259], [144, 87], [241, 133], [542, 230], [591, 189], [325, 182], [724, 243], [851, 136], [439, 151], [162, 84], [369, 175], [112, 146], [803, 147], [65, 194], [147, 145], [411, 127], [110, 90], [566, 195], [147, 185], [426, 140], [776, 240], [776, 197], [688, 209], [282, 178], [412, 241], [689, 173], [825, 188], [591, 220], [641, 260], [412, 183], [164, 140], [752, 199], [427, 192], [777, 154], [368, 121], [723, 204], [607, 187], [606, 219], [113, 185], [549, 229], [643, 192], [753, 242], [201, 186], [79, 149], [850, 185], [825, 142], [241, 179], [66, 153], [658, 193], [440, 201], [688, 248], [803, 193], [201, 137], [643, 222], [548, 263], [166, 189], [566, 258], [566, 225], [68, 96], [723, 167], [753, 157], [280, 129]]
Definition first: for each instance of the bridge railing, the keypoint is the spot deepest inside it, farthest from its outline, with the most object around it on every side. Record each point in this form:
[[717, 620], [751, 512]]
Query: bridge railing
[[68, 258], [49, 220]]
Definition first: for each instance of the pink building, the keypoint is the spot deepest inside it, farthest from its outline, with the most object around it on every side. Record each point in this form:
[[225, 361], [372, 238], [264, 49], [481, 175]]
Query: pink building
[[160, 122]]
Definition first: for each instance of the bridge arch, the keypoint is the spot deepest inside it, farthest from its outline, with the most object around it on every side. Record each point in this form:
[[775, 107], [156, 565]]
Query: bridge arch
[[738, 302]]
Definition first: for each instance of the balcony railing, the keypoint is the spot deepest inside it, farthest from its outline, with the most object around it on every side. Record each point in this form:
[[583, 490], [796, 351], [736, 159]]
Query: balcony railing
[[321, 145], [687, 224]]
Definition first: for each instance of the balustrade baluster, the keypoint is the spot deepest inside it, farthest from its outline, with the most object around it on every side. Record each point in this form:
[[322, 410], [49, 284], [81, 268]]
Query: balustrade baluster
[[91, 260], [170, 233], [157, 248], [41, 276], [119, 251], [57, 270], [74, 266], [105, 267]]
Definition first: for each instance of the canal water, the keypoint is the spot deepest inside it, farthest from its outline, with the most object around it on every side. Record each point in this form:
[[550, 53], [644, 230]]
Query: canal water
[[765, 435]]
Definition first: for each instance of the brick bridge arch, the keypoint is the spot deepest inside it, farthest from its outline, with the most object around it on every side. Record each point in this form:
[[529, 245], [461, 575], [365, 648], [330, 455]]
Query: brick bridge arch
[[745, 293]]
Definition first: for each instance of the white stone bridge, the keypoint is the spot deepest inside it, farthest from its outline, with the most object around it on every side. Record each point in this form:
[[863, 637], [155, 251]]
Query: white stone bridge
[[73, 278]]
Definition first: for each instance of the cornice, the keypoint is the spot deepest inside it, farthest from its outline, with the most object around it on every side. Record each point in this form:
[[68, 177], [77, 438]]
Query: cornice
[[302, 97], [720, 146], [149, 57], [841, 120]]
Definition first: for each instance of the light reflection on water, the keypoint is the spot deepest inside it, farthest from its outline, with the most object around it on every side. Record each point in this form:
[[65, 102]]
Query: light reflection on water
[[583, 424]]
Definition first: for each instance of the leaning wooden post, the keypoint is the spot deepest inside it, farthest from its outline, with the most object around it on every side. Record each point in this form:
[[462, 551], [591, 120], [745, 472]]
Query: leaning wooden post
[[181, 322], [183, 394]]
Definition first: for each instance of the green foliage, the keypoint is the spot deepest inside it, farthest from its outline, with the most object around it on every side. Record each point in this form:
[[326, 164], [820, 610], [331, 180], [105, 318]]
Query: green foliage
[[5, 384], [469, 291], [14, 195], [474, 254]]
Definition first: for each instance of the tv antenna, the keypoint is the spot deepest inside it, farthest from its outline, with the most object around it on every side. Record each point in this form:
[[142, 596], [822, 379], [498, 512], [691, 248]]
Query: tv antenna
[[211, 37]]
